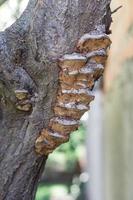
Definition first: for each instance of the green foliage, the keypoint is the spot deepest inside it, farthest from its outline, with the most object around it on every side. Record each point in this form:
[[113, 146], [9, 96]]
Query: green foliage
[[65, 158], [44, 192], [68, 154]]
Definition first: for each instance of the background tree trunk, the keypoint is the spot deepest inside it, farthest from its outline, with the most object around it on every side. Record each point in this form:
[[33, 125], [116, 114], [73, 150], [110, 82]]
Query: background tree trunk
[[119, 137], [119, 107], [29, 51], [95, 158]]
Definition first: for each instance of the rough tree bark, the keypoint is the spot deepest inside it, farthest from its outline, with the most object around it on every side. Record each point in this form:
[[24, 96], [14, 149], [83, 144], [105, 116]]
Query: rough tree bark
[[29, 51]]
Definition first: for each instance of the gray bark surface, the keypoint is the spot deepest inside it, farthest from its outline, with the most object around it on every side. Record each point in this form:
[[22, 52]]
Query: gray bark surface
[[29, 51]]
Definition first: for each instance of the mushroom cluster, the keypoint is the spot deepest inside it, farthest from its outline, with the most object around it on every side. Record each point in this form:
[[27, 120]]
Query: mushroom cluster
[[23, 102], [78, 73]]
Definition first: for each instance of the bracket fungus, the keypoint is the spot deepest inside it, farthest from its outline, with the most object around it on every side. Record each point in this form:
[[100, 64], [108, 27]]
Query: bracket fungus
[[24, 107], [92, 42], [21, 94], [77, 76], [23, 102]]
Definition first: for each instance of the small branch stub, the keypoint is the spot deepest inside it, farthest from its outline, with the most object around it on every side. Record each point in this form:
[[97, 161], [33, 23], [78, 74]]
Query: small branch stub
[[78, 73]]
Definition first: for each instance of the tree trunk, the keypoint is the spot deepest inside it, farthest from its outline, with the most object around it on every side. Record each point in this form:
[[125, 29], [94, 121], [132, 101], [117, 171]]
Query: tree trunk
[[29, 72]]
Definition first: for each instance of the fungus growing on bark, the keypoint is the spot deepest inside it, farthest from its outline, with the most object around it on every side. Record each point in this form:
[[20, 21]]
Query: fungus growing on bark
[[21, 94], [93, 42], [73, 61], [24, 107], [78, 73], [23, 102]]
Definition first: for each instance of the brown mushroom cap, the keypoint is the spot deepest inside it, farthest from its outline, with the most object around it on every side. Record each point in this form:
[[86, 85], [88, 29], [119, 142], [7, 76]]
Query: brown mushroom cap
[[48, 141], [85, 73], [24, 107], [55, 138], [80, 98], [65, 112], [43, 145], [99, 56], [72, 61], [89, 43], [72, 81], [76, 85], [21, 94], [63, 125]]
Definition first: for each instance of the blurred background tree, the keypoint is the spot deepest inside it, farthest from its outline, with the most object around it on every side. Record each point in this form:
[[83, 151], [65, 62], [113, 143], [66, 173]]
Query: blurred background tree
[[119, 106]]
